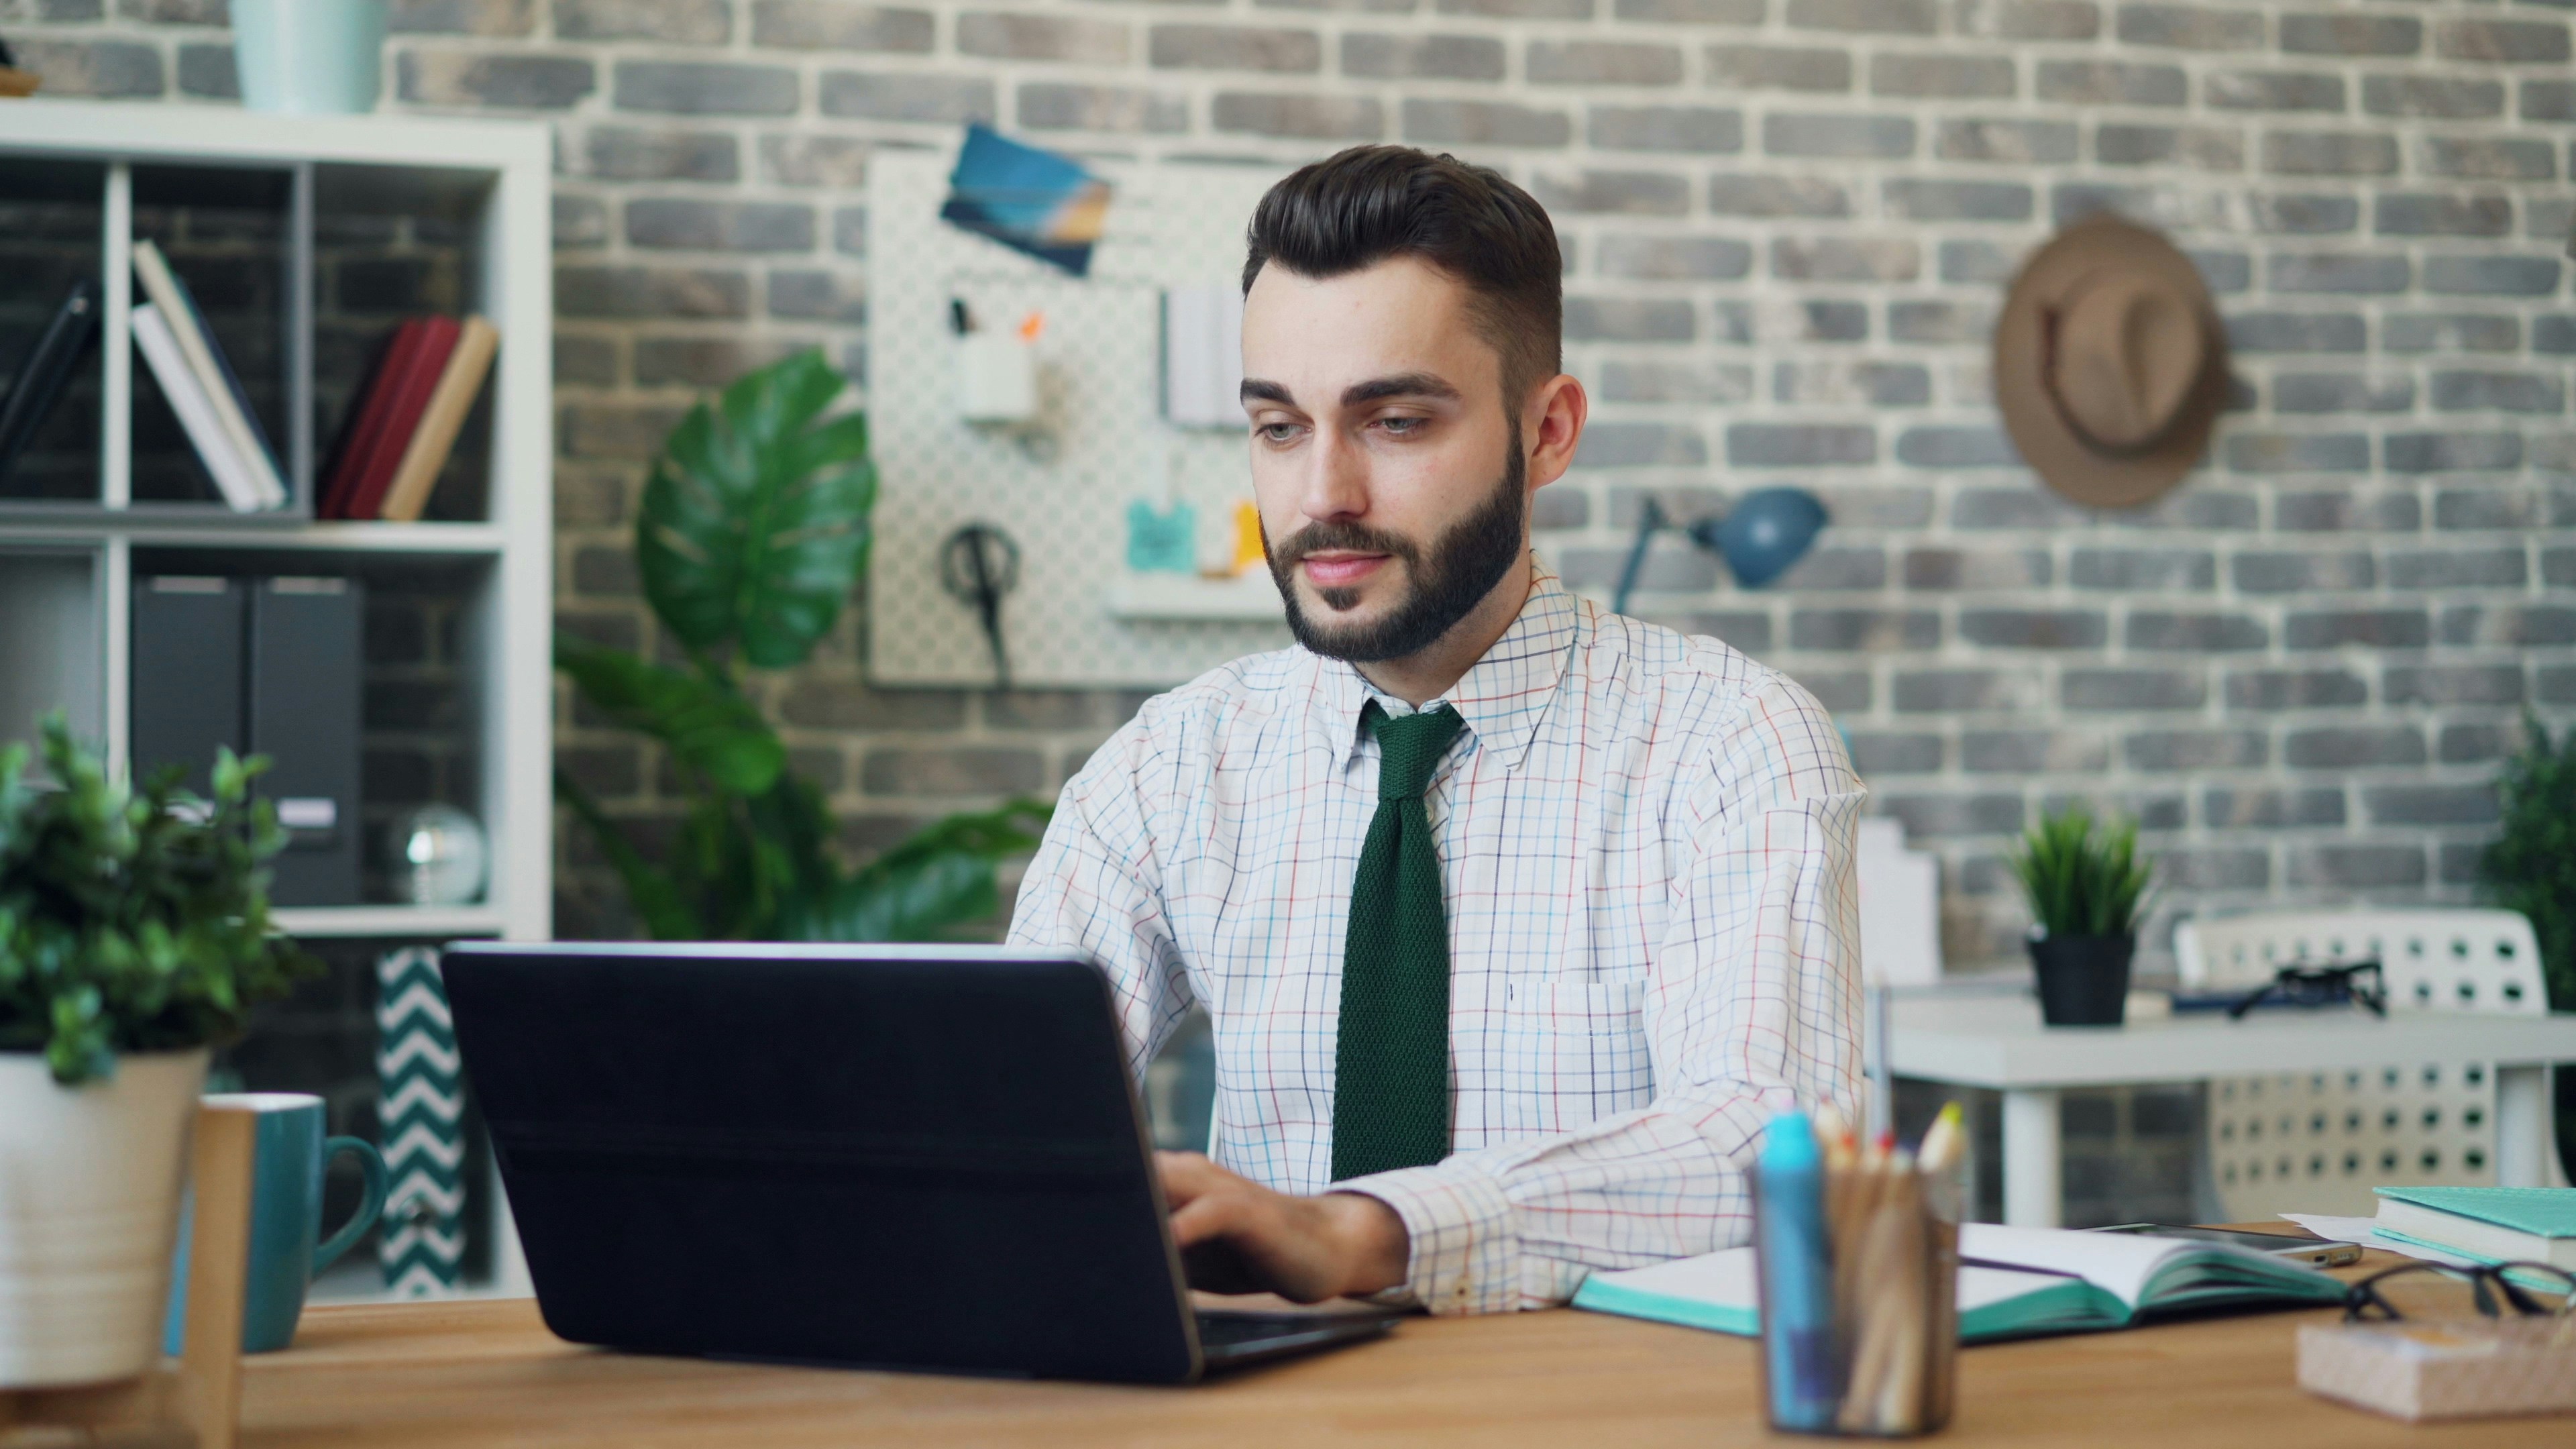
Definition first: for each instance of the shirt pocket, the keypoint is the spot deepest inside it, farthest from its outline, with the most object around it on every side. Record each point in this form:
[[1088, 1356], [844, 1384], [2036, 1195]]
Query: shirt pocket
[[1574, 1052]]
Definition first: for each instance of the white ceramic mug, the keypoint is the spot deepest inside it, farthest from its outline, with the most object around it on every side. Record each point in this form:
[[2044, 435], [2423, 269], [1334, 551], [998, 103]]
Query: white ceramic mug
[[309, 57]]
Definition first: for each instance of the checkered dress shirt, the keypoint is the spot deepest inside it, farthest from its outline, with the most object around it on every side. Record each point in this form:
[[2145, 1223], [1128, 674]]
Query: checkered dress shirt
[[1645, 841]]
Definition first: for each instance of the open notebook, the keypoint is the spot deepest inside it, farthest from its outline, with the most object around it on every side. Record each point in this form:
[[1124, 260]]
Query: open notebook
[[2060, 1282]]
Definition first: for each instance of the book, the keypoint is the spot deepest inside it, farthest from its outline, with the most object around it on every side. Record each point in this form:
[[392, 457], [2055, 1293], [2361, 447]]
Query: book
[[2493, 1224], [39, 379], [364, 421], [196, 413], [204, 356], [2013, 1283], [458, 383], [399, 397]]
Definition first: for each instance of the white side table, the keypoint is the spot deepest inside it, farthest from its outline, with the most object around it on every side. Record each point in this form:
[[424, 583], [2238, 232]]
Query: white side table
[[1997, 1042]]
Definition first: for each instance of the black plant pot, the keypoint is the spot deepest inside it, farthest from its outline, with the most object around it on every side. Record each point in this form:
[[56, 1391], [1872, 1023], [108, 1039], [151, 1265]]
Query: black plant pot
[[2083, 980]]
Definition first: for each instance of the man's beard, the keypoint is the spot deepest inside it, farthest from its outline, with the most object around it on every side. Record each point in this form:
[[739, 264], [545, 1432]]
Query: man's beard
[[1464, 565]]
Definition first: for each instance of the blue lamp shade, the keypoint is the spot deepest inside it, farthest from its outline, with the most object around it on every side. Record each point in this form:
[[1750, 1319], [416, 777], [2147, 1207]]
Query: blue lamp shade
[[1768, 530]]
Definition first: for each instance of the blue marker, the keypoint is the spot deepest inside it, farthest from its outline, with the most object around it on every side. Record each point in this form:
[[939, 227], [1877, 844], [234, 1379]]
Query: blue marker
[[1795, 1260]]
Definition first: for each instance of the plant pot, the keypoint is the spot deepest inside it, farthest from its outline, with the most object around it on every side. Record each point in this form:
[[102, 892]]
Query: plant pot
[[309, 57], [2083, 980], [89, 1206]]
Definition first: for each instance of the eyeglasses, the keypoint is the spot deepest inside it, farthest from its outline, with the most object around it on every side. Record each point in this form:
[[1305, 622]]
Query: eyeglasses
[[2364, 1303], [2320, 986]]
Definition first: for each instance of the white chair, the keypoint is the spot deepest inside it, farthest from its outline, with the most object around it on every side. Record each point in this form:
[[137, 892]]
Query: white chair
[[2318, 1142]]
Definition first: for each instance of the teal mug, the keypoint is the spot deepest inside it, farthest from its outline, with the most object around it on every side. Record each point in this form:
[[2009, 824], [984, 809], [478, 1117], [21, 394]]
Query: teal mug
[[285, 1217]]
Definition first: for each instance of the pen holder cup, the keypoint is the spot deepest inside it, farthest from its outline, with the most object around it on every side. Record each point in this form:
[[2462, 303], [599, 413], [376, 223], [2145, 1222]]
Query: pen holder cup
[[1882, 1360]]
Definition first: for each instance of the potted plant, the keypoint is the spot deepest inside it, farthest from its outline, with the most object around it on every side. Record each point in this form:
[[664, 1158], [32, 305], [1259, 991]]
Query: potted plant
[[134, 934], [2087, 892], [2531, 868], [752, 533]]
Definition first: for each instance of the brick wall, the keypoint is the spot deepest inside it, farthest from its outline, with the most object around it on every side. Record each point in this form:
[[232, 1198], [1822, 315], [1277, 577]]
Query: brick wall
[[1788, 223]]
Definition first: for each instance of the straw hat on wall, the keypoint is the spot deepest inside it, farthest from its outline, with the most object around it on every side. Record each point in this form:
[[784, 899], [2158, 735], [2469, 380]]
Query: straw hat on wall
[[2110, 363]]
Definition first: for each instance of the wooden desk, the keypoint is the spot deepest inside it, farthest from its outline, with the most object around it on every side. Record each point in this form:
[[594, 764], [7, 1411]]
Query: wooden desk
[[429, 1376]]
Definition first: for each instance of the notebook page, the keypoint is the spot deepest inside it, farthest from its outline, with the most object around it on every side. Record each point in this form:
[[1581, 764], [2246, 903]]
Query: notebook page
[[1726, 1279], [2121, 1264]]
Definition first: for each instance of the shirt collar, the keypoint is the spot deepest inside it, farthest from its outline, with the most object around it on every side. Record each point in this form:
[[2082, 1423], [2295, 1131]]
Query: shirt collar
[[1502, 697]]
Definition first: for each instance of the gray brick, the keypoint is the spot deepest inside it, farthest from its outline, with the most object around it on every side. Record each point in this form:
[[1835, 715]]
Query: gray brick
[[1670, 567], [461, 17], [1837, 569], [2358, 273], [1846, 259], [616, 430], [1628, 319], [2451, 452], [1352, 118], [1883, 17], [1520, 9], [1624, 380], [2329, 153], [2029, 19], [2485, 509], [2350, 747], [1640, 445], [701, 362], [1561, 508], [1830, 382], [2206, 148], [2342, 392], [2255, 807], [1917, 199], [2343, 509], [2196, 509], [2430, 804], [643, 292], [1800, 445], [1618, 193], [2452, 684], [2143, 569], [624, 153], [839, 25], [2195, 633], [2450, 332], [1777, 68], [2187, 27], [1977, 263], [1748, 632], [2298, 573], [2348, 33], [1875, 754], [207, 70], [1805, 196], [2357, 867], [2273, 90], [2490, 158], [2029, 507], [2465, 390], [1009, 36], [2555, 336], [1602, 62], [2295, 332], [1050, 106], [1885, 506], [907, 96], [584, 362], [2109, 83], [1701, 129], [1693, 12], [954, 770], [676, 22], [1842, 691], [2443, 97], [1494, 123], [2485, 276], [817, 296], [1940, 321], [2014, 752], [2376, 628], [2298, 453], [2295, 215], [2557, 684], [704, 88], [1235, 47], [2548, 100], [2283, 689], [1422, 57], [2441, 214], [2517, 624], [2469, 744], [2035, 628], [1965, 691], [1942, 76], [1938, 816], [512, 82], [578, 221], [1671, 259], [665, 223], [808, 160], [2516, 42], [2011, 143], [1884, 137], [1965, 569], [2195, 749], [1950, 446]]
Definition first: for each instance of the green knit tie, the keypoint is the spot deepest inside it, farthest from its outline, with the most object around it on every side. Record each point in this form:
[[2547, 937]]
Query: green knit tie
[[1391, 1071]]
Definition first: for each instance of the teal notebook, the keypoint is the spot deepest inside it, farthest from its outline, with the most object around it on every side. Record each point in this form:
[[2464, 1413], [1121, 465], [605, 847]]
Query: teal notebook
[[2045, 1281], [2492, 1224]]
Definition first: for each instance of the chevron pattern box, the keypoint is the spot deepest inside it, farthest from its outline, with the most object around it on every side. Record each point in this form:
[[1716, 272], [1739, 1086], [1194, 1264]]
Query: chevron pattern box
[[420, 1112]]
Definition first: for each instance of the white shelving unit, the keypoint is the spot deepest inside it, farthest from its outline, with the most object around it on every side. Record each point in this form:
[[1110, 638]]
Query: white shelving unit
[[67, 566]]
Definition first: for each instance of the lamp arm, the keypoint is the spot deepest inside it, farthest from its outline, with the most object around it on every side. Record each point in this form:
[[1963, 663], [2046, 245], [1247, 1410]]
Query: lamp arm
[[1650, 517]]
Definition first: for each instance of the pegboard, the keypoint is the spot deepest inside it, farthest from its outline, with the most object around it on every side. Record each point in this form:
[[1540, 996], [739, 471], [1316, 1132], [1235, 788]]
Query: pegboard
[[1062, 491]]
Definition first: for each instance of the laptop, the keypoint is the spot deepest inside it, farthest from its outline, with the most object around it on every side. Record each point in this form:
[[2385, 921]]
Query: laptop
[[910, 1157]]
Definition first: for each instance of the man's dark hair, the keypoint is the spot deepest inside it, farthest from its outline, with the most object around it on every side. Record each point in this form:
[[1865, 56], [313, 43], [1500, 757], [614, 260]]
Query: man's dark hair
[[1370, 203]]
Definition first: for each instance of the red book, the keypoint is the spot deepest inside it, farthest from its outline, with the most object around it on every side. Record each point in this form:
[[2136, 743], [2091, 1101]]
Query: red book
[[365, 422], [410, 390]]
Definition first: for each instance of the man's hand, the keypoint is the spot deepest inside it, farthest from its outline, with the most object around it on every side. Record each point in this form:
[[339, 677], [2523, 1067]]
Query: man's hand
[[1237, 1236]]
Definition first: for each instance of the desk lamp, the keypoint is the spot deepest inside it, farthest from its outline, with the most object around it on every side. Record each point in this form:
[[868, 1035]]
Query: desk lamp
[[1767, 530]]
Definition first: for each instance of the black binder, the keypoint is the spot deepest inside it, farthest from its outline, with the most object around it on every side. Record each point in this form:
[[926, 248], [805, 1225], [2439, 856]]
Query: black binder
[[186, 692], [303, 713]]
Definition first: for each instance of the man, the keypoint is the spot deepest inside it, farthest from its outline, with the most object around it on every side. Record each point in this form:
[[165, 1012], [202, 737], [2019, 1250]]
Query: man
[[1515, 919]]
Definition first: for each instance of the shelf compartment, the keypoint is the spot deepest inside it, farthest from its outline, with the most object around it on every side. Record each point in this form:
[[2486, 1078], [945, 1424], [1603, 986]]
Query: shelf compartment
[[53, 218], [51, 632]]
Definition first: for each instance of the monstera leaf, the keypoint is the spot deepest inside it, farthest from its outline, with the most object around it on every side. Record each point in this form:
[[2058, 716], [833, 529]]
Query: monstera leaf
[[755, 520], [944, 874], [707, 726]]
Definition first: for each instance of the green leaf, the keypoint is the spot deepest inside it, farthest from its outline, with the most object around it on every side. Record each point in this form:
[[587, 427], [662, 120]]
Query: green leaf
[[2080, 885], [708, 727], [754, 524], [942, 877]]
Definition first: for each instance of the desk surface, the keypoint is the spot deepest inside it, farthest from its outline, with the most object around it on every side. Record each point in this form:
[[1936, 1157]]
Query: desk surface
[[1991, 1040], [427, 1376]]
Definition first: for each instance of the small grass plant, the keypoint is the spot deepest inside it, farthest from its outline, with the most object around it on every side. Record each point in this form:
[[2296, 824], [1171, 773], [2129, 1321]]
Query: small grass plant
[[2082, 878]]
